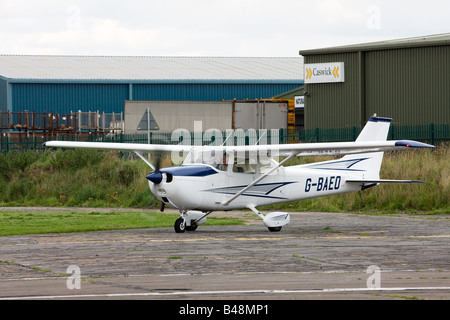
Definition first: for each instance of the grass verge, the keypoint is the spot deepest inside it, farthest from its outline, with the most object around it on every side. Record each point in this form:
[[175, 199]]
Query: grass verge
[[20, 223], [431, 197], [87, 178]]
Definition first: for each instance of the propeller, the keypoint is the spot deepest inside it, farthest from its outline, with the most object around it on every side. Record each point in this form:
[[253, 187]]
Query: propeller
[[156, 176]]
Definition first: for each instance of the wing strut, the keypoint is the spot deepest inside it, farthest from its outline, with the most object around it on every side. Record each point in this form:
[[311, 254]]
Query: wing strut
[[227, 202], [145, 160]]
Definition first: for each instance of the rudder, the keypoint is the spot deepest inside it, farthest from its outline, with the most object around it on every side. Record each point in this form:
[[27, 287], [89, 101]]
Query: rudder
[[376, 129]]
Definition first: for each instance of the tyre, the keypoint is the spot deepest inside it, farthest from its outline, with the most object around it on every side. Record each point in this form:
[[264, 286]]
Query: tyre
[[180, 225]]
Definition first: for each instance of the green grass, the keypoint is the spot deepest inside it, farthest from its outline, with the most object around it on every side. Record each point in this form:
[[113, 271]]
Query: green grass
[[87, 178], [82, 178], [431, 197], [19, 223]]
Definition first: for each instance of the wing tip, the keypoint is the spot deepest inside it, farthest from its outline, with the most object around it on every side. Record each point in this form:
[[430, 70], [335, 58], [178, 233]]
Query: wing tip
[[412, 144]]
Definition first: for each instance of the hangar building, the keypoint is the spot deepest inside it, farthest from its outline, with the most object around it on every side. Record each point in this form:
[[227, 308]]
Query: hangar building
[[63, 84], [407, 80]]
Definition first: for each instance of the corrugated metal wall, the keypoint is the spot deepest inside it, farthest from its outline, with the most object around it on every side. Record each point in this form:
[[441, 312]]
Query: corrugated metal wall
[[209, 91], [410, 85], [64, 98], [110, 97], [3, 96]]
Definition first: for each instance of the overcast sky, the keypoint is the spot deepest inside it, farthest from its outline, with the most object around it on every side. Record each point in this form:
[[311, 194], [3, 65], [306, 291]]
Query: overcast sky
[[210, 27]]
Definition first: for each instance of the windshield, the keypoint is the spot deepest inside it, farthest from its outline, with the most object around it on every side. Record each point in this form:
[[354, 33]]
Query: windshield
[[215, 158], [219, 159]]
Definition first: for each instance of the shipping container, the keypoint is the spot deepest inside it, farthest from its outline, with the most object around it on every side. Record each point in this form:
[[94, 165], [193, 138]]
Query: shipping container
[[168, 116]]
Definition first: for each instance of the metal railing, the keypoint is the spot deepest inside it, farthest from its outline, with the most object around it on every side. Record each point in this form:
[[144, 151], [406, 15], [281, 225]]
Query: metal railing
[[53, 123], [432, 133]]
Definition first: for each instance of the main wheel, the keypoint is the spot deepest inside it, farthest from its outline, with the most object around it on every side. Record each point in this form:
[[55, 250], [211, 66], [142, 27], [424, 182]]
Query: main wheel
[[274, 229], [191, 227], [180, 225]]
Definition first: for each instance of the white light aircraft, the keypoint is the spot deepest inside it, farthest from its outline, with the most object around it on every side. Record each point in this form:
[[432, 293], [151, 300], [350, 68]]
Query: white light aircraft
[[217, 178]]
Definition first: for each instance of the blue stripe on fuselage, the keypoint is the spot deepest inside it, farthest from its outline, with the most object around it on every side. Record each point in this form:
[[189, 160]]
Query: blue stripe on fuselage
[[262, 190]]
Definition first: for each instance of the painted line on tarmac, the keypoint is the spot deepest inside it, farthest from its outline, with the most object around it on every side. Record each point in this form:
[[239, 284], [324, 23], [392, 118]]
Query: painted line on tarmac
[[205, 239], [223, 292]]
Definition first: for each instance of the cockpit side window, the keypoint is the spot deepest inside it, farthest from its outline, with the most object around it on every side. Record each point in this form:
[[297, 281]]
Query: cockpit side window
[[219, 159], [215, 158], [249, 166]]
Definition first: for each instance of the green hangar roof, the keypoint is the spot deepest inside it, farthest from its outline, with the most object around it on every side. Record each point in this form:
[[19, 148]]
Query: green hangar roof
[[102, 83], [416, 42]]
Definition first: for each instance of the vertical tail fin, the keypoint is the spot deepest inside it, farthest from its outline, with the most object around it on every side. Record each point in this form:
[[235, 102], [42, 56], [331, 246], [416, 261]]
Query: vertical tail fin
[[369, 164], [376, 129]]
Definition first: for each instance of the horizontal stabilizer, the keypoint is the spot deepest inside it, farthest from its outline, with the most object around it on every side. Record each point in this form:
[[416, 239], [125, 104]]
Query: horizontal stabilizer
[[382, 181]]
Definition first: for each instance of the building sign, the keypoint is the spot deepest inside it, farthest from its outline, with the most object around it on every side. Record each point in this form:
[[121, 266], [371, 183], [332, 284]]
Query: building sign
[[299, 102], [324, 72], [148, 122]]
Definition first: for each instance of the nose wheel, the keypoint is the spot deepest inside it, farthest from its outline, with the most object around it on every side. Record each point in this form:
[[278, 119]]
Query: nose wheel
[[190, 220], [180, 225]]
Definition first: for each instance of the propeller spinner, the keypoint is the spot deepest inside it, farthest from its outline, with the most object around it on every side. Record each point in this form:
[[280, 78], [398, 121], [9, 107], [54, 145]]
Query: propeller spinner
[[156, 175]]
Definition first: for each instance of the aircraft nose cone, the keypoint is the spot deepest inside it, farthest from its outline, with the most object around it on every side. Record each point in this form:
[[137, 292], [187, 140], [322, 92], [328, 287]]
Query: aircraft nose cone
[[155, 177]]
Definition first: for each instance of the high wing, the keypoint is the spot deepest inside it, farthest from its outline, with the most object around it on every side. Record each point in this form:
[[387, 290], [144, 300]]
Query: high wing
[[137, 148], [298, 149], [372, 139], [140, 147], [329, 148]]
